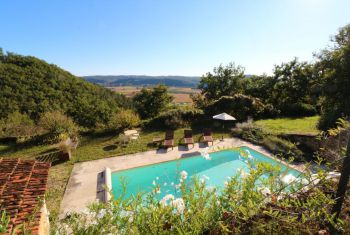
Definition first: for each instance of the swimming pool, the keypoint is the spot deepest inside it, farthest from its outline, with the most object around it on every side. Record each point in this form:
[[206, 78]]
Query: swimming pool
[[214, 172]]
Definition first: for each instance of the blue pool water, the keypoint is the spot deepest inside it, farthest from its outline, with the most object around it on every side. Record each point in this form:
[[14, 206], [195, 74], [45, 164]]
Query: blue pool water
[[215, 172]]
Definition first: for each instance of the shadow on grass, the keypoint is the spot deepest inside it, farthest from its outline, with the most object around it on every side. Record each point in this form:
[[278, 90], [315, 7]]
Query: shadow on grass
[[15, 147], [110, 147]]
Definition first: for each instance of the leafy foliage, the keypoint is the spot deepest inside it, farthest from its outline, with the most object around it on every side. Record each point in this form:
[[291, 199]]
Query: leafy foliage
[[32, 86], [18, 125], [176, 118], [334, 65], [150, 102], [58, 126], [246, 205], [124, 119], [293, 86], [292, 91], [224, 81], [277, 145], [240, 106]]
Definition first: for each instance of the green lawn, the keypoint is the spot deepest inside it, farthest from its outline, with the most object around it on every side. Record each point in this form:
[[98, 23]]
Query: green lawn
[[91, 147], [306, 125]]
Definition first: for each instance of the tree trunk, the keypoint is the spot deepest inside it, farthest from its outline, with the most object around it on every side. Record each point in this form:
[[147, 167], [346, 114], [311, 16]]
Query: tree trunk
[[342, 185]]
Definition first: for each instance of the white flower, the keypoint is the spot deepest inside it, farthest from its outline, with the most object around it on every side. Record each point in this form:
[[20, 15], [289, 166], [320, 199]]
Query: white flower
[[157, 178], [265, 191], [158, 190], [226, 183], [178, 186], [166, 198], [183, 175], [101, 213], [250, 157], [206, 177], [205, 154], [202, 181], [332, 174], [154, 182], [179, 205], [288, 178]]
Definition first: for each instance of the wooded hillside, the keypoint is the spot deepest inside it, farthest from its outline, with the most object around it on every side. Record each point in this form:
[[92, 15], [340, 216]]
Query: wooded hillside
[[30, 85]]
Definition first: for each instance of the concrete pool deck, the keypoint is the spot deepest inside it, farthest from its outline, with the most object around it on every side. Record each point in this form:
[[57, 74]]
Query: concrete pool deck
[[85, 184]]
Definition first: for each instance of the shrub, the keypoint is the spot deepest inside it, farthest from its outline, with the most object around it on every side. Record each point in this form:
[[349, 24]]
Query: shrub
[[298, 110], [249, 131], [124, 119], [277, 145], [246, 205], [329, 116], [18, 125], [281, 146], [269, 112], [240, 106], [58, 126], [176, 118]]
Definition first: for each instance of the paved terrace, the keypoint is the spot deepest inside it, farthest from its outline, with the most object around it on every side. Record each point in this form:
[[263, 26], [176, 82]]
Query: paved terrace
[[86, 180]]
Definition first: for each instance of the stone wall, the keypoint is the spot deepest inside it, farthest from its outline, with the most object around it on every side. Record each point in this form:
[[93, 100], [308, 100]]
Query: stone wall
[[329, 147]]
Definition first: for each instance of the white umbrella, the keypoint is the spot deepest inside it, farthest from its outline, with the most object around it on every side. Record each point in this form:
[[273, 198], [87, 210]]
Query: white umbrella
[[224, 117]]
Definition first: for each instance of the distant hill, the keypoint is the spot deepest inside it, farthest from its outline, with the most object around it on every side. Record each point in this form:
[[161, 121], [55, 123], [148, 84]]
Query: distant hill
[[32, 86], [143, 80]]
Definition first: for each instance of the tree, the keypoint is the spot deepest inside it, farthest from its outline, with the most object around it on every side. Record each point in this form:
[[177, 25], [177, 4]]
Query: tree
[[18, 125], [150, 102], [334, 67], [240, 106], [259, 86], [124, 119], [58, 125], [292, 91], [224, 81]]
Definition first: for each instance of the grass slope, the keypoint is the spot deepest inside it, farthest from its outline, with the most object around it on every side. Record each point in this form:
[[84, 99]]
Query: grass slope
[[306, 125]]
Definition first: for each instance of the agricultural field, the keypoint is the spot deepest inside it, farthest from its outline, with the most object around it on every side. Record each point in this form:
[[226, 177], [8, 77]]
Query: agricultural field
[[181, 94]]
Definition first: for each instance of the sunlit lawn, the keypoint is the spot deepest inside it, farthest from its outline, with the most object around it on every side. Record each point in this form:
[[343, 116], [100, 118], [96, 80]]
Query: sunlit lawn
[[306, 125]]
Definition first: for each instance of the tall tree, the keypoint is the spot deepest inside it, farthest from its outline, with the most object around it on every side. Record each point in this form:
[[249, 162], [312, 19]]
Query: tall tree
[[259, 86], [334, 67], [293, 82], [293, 88], [224, 81], [150, 102]]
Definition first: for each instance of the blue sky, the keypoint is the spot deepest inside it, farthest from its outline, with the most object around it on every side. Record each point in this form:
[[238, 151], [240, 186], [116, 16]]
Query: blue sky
[[169, 37]]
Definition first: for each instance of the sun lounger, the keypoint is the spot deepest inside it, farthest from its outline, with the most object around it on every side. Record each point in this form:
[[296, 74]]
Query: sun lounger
[[169, 139], [207, 137], [188, 138]]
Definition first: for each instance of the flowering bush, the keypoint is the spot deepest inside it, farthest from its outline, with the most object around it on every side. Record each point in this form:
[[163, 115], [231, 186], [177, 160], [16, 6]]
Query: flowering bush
[[264, 200]]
